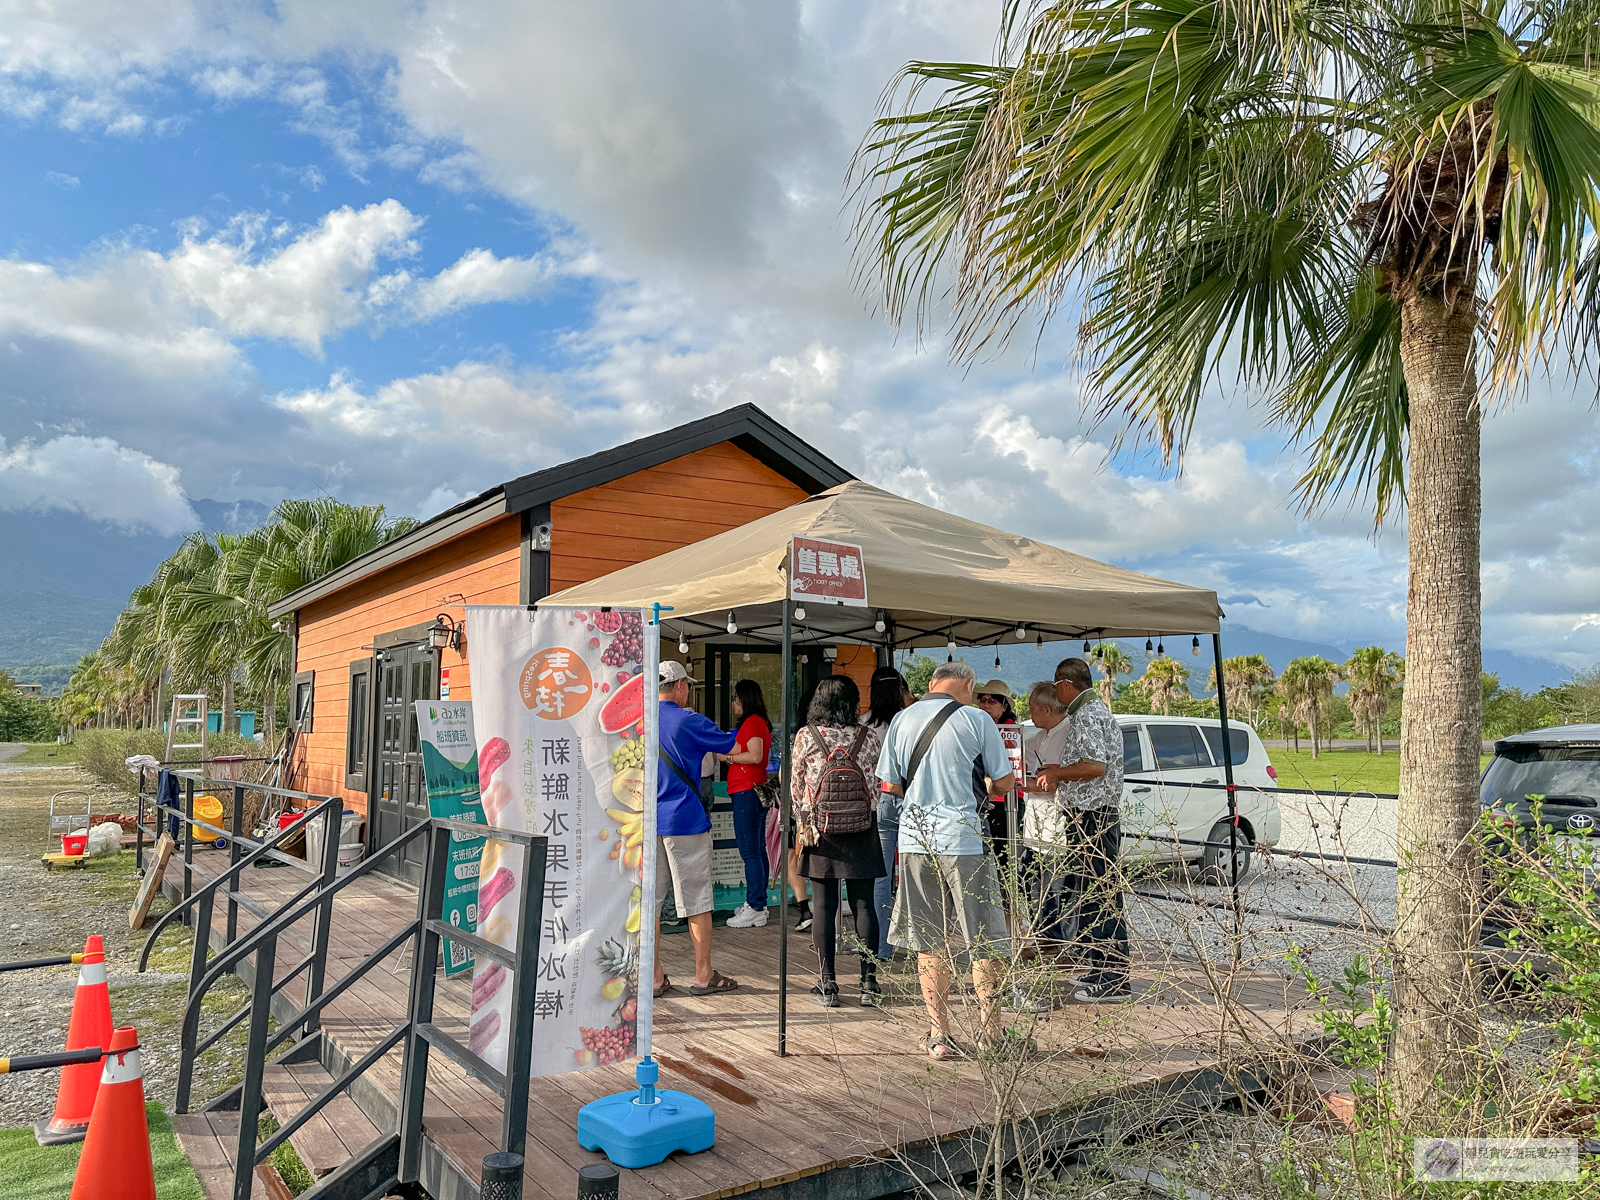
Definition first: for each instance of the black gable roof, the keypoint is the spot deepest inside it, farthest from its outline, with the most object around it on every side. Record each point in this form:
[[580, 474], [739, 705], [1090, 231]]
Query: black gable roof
[[746, 426]]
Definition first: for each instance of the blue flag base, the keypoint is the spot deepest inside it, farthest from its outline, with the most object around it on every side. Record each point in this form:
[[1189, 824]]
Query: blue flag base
[[639, 1129]]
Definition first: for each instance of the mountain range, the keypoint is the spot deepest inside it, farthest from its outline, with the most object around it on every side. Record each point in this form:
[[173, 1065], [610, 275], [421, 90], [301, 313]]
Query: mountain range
[[68, 577]]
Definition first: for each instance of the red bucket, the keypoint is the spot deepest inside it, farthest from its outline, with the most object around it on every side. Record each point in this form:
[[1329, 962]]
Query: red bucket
[[287, 819], [74, 843]]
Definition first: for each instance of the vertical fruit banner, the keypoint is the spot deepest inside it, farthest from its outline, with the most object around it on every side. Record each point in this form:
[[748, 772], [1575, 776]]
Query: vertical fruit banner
[[450, 771], [560, 709]]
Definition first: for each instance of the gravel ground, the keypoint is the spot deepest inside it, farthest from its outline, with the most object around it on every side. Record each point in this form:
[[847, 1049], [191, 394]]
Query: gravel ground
[[51, 913]]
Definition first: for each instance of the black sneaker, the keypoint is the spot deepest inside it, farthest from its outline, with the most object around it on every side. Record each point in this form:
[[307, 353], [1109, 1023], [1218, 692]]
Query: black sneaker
[[827, 994], [1104, 993], [805, 921], [871, 992]]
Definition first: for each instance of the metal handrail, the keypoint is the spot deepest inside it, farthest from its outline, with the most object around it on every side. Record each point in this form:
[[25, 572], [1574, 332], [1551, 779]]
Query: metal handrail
[[231, 874], [394, 1157], [269, 931]]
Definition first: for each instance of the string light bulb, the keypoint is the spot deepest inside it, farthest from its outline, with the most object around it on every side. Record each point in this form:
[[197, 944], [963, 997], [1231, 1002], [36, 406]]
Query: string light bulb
[[683, 644], [1086, 648], [733, 625], [1196, 644], [799, 612], [880, 625], [747, 656], [1149, 650], [950, 646], [1038, 642], [1161, 650], [1022, 633], [997, 658]]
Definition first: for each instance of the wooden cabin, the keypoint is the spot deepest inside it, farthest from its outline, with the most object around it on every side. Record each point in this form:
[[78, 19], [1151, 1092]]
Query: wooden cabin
[[363, 651]]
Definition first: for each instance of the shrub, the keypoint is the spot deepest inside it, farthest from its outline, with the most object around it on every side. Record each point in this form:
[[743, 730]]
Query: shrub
[[102, 752], [24, 719]]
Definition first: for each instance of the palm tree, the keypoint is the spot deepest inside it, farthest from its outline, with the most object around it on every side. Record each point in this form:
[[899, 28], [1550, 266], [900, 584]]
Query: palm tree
[[202, 618], [1164, 681], [1373, 673], [1307, 684], [1248, 677], [1364, 205], [1112, 660]]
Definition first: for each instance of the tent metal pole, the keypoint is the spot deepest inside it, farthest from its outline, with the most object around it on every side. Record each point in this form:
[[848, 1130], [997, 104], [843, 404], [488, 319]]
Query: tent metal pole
[[1227, 773], [789, 700]]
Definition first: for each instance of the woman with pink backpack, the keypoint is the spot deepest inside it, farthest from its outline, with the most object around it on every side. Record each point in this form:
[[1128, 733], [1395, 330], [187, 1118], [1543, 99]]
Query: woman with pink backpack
[[835, 796]]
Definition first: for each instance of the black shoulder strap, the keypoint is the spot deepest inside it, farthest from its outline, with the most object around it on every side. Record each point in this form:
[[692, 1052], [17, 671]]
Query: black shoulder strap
[[920, 751], [692, 784]]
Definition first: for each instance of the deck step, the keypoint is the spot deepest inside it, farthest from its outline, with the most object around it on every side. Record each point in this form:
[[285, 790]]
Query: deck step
[[211, 1140], [332, 1135]]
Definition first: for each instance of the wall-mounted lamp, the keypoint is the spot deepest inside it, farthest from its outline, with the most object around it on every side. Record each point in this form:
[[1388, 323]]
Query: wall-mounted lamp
[[446, 631]]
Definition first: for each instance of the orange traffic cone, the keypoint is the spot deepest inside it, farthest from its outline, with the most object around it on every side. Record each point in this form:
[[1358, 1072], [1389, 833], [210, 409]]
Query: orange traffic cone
[[90, 1026], [115, 1162]]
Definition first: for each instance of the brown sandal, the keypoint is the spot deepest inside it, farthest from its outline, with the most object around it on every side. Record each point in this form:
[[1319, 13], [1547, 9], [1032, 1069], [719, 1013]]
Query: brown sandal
[[719, 983], [666, 986]]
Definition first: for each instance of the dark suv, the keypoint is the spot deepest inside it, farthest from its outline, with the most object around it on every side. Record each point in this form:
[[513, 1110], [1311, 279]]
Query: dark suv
[[1560, 764]]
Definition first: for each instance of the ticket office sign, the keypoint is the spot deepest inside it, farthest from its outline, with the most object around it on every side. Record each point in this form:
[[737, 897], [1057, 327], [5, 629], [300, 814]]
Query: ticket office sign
[[828, 572]]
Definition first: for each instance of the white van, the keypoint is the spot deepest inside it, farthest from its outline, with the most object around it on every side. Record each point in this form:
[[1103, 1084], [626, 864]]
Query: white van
[[1160, 752]]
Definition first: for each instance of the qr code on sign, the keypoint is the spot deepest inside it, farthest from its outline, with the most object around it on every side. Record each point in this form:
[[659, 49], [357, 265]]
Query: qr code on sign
[[459, 955]]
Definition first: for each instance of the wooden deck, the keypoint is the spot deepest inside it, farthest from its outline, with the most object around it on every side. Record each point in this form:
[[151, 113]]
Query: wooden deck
[[854, 1107]]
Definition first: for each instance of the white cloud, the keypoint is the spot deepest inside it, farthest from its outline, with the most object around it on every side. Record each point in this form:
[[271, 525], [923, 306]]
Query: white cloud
[[253, 280], [57, 179], [97, 477], [475, 408]]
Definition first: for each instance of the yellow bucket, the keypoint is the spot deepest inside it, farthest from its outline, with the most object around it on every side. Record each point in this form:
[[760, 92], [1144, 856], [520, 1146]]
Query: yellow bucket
[[207, 808]]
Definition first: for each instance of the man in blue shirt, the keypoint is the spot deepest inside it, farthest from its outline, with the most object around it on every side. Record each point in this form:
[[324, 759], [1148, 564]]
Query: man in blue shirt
[[948, 884], [683, 828]]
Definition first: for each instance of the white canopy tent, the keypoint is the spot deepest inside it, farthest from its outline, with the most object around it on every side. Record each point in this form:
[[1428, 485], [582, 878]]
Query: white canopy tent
[[931, 578]]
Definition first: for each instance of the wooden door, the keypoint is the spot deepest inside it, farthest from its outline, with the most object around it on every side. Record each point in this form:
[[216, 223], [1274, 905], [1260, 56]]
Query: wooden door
[[399, 801]]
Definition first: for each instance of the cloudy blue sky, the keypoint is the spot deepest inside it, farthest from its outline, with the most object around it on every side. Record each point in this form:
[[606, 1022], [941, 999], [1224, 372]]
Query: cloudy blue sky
[[400, 252]]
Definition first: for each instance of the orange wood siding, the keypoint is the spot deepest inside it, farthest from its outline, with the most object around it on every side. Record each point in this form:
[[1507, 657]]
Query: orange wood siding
[[594, 532], [483, 565], [603, 529], [858, 662]]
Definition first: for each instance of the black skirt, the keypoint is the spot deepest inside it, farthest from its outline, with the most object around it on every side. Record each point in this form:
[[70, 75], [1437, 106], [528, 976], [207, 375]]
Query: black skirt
[[844, 856]]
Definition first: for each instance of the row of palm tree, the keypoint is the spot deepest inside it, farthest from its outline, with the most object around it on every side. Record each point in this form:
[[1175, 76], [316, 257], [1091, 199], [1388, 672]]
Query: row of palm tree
[[200, 624]]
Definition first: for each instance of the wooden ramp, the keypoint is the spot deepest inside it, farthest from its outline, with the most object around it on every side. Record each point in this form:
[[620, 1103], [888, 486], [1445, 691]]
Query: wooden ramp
[[855, 1105]]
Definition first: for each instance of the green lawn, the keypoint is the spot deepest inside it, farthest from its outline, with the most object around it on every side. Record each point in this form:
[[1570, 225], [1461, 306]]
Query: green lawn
[[1348, 770], [45, 754], [35, 1172]]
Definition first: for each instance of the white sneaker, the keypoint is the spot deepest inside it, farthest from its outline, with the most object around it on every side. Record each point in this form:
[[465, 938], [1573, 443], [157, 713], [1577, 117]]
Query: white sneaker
[[747, 918]]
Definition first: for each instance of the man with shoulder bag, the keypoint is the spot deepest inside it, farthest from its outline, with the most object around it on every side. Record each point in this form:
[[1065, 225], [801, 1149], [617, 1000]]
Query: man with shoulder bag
[[948, 886]]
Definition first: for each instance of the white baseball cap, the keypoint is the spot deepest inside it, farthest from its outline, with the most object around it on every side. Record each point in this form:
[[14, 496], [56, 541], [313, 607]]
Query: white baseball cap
[[672, 671]]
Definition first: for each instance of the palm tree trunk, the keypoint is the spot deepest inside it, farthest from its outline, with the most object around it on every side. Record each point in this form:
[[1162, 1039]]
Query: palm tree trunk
[[1436, 1003], [1314, 739], [227, 702]]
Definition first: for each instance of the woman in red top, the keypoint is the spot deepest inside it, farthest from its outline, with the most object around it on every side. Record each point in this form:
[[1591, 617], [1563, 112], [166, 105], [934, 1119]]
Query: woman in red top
[[747, 769]]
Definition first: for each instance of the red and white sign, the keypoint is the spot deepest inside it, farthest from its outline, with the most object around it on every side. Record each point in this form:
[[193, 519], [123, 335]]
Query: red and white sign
[[828, 572], [1011, 739]]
